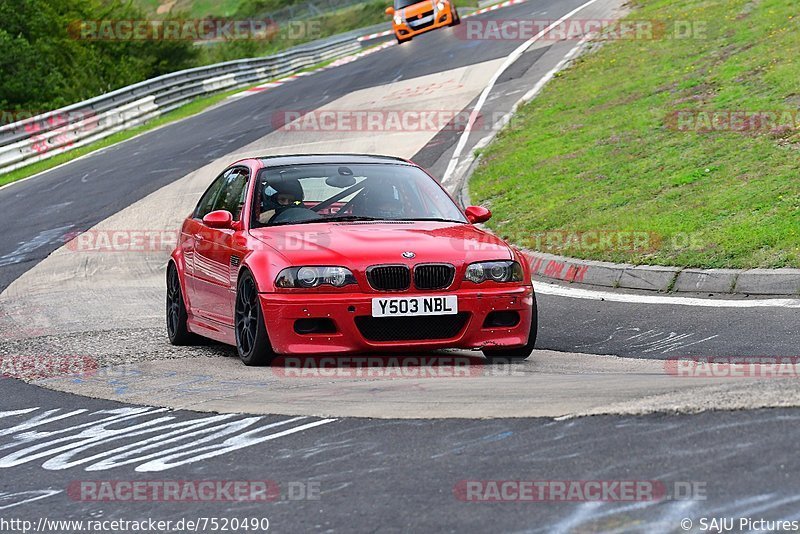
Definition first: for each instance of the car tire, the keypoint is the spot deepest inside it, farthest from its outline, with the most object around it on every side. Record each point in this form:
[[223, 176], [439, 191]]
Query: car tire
[[456, 18], [177, 316], [252, 341], [401, 41], [516, 354]]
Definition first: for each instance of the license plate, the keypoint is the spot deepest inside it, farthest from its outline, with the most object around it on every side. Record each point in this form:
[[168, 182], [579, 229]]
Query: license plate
[[415, 306]]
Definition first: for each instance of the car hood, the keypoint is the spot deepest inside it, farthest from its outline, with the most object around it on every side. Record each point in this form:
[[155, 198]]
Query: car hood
[[414, 10], [368, 243]]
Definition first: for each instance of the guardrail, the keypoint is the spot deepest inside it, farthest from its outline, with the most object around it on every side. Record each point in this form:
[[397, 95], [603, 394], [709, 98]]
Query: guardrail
[[43, 136]]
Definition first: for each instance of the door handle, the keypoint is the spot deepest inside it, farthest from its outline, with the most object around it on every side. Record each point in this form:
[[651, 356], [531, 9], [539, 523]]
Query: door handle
[[198, 237]]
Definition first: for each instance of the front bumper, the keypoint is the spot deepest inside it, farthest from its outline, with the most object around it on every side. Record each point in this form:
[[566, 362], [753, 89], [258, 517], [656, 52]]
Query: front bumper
[[282, 310], [413, 27]]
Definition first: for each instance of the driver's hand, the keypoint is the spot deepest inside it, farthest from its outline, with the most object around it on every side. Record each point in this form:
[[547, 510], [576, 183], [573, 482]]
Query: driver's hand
[[266, 216]]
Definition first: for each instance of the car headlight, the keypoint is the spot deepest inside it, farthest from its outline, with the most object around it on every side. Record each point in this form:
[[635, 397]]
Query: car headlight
[[496, 271], [313, 276], [398, 20], [440, 5]]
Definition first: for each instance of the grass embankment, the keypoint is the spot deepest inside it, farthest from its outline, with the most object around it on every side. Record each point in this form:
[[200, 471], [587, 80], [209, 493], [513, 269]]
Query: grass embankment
[[601, 147], [298, 32]]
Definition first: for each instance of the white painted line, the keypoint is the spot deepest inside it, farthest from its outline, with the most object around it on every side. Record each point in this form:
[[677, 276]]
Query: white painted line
[[544, 288], [536, 89], [7, 500], [451, 166], [237, 442], [374, 36]]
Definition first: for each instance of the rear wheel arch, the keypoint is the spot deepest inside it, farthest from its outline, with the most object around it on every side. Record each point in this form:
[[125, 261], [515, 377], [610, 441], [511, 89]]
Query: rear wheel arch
[[173, 264], [177, 315]]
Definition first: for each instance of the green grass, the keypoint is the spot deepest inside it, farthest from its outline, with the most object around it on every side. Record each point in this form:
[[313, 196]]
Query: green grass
[[595, 150], [235, 8], [296, 33], [191, 8]]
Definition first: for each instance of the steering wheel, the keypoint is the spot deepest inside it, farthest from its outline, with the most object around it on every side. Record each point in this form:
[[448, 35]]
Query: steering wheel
[[295, 214]]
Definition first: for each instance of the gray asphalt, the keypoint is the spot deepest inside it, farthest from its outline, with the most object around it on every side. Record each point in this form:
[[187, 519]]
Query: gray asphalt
[[400, 476], [662, 331]]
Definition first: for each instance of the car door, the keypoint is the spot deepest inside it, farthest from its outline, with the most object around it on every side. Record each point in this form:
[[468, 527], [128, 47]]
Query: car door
[[216, 259], [189, 232]]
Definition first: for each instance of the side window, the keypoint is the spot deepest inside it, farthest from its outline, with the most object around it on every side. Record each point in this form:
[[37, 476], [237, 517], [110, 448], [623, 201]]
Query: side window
[[231, 197], [206, 204]]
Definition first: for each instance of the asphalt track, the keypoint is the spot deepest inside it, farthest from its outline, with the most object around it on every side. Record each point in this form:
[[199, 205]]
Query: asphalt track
[[405, 468], [400, 476]]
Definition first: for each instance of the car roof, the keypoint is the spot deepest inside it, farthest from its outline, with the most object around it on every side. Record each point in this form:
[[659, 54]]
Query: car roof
[[332, 159]]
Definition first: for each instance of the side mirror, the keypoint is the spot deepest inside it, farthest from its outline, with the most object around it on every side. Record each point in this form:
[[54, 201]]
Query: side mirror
[[389, 11], [478, 214], [222, 219]]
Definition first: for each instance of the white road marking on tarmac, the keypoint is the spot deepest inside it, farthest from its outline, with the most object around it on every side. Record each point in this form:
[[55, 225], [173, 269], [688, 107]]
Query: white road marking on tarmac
[[232, 444], [589, 294], [153, 443], [451, 166], [44, 237], [9, 500], [650, 340], [535, 90]]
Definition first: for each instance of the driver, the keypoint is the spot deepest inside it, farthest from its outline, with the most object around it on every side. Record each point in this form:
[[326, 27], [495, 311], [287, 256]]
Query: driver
[[382, 201], [278, 197]]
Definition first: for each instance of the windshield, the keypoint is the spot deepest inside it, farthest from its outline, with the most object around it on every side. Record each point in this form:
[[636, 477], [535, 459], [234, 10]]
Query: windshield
[[400, 4], [318, 193]]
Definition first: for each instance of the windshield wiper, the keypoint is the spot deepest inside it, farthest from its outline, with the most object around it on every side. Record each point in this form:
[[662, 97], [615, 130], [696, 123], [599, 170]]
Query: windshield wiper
[[404, 219], [355, 218], [435, 219], [344, 218]]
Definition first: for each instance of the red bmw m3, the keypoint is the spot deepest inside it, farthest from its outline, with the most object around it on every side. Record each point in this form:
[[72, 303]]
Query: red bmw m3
[[321, 254]]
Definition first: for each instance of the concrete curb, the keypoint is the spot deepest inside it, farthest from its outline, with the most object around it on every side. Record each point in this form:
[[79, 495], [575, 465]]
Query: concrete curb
[[663, 278], [659, 278]]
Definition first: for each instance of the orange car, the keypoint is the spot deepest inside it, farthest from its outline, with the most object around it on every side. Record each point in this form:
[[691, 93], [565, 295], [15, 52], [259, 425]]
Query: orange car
[[413, 17]]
